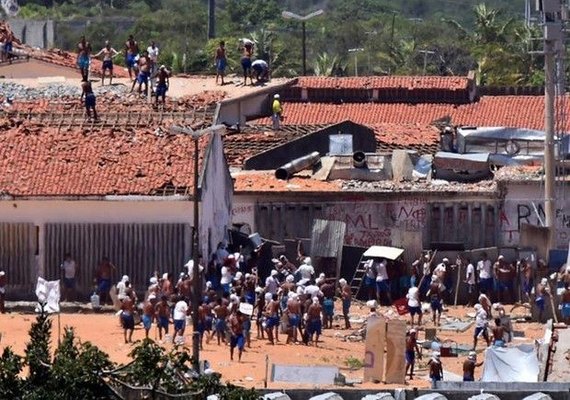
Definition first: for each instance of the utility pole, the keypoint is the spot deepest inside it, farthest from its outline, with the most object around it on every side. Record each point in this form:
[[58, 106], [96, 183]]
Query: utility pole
[[303, 19], [355, 51], [551, 16], [426, 53], [211, 19]]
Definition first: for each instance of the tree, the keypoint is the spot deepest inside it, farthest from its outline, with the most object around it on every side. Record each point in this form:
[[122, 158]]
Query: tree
[[327, 65], [11, 366]]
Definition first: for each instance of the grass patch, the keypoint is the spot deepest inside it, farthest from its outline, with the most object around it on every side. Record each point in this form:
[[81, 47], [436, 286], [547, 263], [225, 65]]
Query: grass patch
[[354, 363]]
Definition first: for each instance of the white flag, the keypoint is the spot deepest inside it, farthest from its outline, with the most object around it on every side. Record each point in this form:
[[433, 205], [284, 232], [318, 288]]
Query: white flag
[[48, 292]]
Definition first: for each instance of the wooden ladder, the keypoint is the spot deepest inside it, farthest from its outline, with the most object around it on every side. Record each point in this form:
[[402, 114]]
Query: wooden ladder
[[357, 279]]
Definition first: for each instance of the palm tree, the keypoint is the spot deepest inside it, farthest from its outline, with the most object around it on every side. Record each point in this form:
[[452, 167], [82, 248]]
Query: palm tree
[[327, 65]]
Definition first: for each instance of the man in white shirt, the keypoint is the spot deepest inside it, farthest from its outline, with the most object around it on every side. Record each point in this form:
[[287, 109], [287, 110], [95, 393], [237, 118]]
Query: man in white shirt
[[226, 279], [481, 323], [271, 283], [69, 267], [382, 282], [260, 70], [414, 305], [122, 288], [306, 271], [370, 279], [179, 317], [153, 57], [484, 268], [470, 280]]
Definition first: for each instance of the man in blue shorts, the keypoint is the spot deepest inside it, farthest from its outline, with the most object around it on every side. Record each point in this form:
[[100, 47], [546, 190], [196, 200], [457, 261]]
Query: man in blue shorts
[[148, 314], [434, 294], [128, 318], [108, 54], [237, 338], [221, 61], [90, 103], [411, 350], [163, 316], [346, 294], [314, 322], [83, 57], [181, 311], [131, 53], [163, 82]]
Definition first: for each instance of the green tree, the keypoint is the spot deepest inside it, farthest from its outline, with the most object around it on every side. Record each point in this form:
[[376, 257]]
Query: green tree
[[11, 366]]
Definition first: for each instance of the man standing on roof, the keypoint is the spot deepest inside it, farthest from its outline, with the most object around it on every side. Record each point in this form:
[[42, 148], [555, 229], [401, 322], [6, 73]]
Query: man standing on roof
[[163, 76], [153, 52], [83, 57], [131, 53], [247, 52], [277, 109], [221, 61], [143, 66], [90, 99], [108, 54]]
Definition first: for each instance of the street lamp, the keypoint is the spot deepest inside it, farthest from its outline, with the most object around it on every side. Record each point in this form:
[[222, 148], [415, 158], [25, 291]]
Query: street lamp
[[355, 51], [303, 19], [196, 278]]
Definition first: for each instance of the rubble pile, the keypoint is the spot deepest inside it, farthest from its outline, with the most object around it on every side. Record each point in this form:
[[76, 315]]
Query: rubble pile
[[435, 185]]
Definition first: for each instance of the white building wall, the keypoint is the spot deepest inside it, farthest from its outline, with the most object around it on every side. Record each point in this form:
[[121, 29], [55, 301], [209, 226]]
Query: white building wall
[[524, 203]]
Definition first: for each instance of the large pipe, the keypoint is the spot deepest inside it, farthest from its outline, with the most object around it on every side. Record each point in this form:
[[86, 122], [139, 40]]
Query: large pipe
[[359, 159], [286, 171]]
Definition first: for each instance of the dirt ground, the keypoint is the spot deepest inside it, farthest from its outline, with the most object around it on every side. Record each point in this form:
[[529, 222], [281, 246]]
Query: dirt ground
[[104, 331]]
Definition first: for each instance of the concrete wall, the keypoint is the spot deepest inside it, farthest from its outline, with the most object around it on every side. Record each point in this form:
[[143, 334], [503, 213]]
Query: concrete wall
[[34, 33], [39, 213], [216, 198], [524, 203]]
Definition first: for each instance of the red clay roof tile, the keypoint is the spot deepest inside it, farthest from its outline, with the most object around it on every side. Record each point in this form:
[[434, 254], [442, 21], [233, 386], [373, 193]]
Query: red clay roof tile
[[385, 82], [265, 181]]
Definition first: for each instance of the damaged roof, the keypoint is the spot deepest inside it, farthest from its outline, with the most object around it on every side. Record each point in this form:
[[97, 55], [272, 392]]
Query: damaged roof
[[385, 82], [37, 161]]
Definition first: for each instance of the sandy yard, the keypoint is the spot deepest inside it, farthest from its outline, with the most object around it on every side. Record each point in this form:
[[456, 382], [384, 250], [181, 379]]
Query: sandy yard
[[104, 331]]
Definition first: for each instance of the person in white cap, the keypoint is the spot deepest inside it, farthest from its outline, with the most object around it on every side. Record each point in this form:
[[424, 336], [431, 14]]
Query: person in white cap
[[277, 109], [435, 368], [469, 367], [481, 324], [271, 283], [148, 314], [314, 322], [414, 305], [484, 267], [166, 285], [346, 296], [122, 287], [294, 314], [542, 290], [411, 349], [383, 288], [272, 317], [443, 273], [3, 283]]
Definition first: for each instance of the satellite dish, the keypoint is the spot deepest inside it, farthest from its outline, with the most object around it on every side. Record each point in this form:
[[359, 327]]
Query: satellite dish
[[10, 7]]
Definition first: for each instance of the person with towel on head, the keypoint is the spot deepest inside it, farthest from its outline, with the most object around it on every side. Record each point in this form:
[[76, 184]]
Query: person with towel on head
[[272, 317], [305, 271], [127, 315], [148, 313], [435, 368], [314, 322], [122, 288], [414, 305], [481, 323], [411, 350], [434, 294], [346, 296], [294, 314], [271, 282], [469, 367]]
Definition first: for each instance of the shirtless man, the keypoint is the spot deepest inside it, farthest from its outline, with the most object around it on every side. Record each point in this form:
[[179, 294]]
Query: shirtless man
[[294, 314], [108, 54], [498, 334], [128, 318], [103, 275], [148, 315], [185, 288], [434, 294], [247, 53], [469, 367], [90, 99], [163, 83], [221, 312], [131, 52], [3, 283], [346, 296], [272, 317], [237, 339], [411, 350], [314, 322], [221, 61], [526, 271], [166, 285], [163, 316], [435, 368], [83, 57], [505, 278], [144, 73], [542, 290], [203, 312]]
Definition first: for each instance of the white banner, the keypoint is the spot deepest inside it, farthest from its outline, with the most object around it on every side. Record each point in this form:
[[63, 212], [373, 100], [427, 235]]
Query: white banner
[[48, 292]]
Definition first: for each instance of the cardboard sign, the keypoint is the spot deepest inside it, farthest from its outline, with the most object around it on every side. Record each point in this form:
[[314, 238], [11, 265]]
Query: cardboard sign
[[315, 374], [374, 349], [246, 308], [395, 346]]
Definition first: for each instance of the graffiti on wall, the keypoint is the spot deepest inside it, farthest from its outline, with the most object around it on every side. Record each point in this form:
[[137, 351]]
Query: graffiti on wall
[[516, 213], [380, 224]]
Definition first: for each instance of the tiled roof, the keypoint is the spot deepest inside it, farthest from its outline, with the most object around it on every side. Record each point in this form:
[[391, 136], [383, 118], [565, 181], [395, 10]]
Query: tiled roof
[[509, 111], [253, 140], [40, 161], [385, 82]]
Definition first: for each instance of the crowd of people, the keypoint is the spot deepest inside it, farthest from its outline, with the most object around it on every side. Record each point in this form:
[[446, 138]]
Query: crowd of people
[[292, 304]]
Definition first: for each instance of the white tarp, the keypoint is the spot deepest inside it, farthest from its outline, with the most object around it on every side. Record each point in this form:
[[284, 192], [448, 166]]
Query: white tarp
[[391, 253], [511, 364], [48, 292]]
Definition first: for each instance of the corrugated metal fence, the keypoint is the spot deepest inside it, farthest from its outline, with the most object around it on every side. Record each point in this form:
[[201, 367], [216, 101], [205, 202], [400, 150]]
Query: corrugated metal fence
[[18, 249], [135, 249]]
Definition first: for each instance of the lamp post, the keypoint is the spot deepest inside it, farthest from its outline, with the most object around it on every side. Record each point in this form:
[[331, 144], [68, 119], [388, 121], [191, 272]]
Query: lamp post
[[426, 53], [196, 278], [303, 19], [355, 51]]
